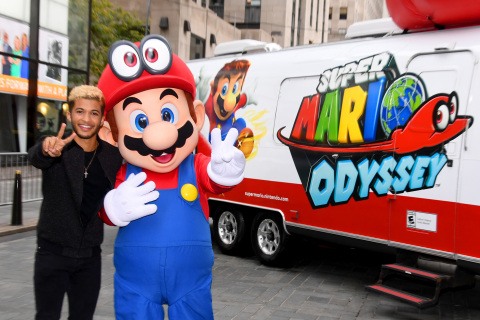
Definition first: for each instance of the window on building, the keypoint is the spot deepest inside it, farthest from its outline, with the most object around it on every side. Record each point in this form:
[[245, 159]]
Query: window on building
[[299, 23], [311, 13], [62, 63], [343, 13], [342, 31], [330, 13], [9, 141], [197, 47], [252, 13], [292, 31], [204, 3], [217, 6]]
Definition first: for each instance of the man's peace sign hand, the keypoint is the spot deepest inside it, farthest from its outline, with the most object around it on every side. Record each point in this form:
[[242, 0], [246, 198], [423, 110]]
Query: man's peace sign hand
[[53, 146]]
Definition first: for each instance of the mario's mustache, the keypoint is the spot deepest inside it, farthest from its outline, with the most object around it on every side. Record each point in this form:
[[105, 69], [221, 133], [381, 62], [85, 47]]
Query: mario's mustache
[[137, 144]]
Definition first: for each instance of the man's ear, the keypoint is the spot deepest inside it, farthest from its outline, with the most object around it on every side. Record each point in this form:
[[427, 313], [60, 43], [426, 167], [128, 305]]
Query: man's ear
[[199, 113], [69, 116], [105, 134]]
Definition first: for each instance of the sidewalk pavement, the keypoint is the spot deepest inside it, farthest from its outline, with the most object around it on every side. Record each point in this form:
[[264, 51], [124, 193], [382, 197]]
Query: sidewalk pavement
[[322, 283], [30, 211]]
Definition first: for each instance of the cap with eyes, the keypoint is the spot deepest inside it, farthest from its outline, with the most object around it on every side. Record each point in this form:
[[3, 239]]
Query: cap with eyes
[[127, 61], [136, 67], [445, 112], [157, 54]]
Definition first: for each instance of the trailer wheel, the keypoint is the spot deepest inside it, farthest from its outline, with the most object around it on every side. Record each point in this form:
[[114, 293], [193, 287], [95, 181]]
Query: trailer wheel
[[229, 230], [269, 238]]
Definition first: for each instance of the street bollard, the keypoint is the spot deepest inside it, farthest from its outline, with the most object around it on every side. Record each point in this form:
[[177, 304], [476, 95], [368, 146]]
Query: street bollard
[[17, 200]]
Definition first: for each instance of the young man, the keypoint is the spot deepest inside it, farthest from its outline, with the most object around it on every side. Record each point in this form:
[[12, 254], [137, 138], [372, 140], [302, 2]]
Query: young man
[[77, 173]]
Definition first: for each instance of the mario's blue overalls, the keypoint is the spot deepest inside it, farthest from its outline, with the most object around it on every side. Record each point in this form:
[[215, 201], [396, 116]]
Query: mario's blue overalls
[[165, 258]]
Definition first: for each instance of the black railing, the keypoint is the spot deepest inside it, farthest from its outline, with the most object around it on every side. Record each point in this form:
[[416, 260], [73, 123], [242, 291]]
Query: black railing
[[10, 163]]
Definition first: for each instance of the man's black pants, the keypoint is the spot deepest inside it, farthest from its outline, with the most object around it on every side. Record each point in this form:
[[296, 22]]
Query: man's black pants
[[56, 275]]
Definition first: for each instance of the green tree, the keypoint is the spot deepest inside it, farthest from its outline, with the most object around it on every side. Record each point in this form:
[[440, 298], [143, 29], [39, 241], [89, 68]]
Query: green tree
[[78, 41], [110, 23]]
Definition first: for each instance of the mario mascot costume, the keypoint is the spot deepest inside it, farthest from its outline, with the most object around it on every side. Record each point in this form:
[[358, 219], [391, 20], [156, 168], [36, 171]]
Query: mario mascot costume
[[163, 251]]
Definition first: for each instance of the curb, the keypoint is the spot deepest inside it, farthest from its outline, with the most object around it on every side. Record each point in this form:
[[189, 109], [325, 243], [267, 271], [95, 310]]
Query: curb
[[6, 229]]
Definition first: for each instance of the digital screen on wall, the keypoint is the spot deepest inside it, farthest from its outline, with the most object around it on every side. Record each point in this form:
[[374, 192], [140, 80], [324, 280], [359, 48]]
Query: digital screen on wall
[[52, 48]]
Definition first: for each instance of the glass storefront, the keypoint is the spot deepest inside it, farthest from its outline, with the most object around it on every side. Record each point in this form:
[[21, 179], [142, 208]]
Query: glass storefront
[[34, 87]]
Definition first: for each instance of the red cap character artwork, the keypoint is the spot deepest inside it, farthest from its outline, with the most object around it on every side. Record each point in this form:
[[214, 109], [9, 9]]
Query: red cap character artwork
[[159, 199]]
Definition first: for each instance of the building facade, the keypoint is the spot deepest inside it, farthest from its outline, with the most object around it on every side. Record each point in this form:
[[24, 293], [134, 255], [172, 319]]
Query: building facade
[[44, 51], [192, 29], [285, 22], [195, 27], [343, 13]]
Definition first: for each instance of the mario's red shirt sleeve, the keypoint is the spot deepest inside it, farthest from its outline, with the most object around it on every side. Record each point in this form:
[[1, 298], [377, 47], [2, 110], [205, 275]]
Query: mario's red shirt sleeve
[[119, 179], [203, 180], [205, 183]]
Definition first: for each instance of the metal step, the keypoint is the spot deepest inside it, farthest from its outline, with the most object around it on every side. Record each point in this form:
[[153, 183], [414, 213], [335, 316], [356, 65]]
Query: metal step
[[409, 271], [419, 301], [439, 282]]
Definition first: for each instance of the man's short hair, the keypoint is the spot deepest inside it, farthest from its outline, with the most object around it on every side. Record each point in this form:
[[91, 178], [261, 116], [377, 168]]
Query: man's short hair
[[86, 92]]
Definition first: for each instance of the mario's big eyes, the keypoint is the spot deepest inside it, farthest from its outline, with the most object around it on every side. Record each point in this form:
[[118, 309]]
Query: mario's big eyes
[[157, 54], [235, 87], [169, 113], [124, 61], [138, 121], [225, 89]]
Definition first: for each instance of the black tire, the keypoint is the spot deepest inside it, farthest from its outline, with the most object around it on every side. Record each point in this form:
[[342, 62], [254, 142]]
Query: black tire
[[269, 239], [229, 231]]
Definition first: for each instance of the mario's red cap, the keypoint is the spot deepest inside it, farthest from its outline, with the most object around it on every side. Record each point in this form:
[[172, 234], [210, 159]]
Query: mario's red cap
[[115, 90]]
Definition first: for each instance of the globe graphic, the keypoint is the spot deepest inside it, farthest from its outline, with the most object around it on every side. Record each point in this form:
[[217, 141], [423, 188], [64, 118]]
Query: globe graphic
[[402, 98]]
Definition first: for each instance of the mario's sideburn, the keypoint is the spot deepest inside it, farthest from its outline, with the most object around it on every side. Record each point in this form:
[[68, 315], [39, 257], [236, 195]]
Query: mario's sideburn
[[163, 252]]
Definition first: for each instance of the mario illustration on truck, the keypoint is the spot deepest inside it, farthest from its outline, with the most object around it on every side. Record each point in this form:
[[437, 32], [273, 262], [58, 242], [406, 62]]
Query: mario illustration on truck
[[163, 251], [226, 98]]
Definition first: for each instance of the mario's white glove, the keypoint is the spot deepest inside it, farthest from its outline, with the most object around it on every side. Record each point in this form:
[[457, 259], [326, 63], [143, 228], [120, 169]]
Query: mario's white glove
[[227, 163], [129, 200]]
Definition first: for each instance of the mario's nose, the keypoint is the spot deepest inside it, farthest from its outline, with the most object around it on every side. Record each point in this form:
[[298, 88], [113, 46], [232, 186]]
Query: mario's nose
[[160, 135], [230, 102]]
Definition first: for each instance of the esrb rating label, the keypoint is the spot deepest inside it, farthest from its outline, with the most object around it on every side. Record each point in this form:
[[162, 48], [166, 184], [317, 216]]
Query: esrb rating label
[[422, 221]]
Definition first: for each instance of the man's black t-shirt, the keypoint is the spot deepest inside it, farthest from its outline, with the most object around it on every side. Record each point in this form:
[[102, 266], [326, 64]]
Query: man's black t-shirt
[[95, 187]]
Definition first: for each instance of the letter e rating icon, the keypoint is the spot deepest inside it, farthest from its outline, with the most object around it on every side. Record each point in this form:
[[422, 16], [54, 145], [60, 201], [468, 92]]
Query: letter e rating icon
[[411, 219]]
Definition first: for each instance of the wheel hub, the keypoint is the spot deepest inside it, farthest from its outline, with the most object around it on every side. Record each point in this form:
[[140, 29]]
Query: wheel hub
[[268, 236], [227, 227]]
